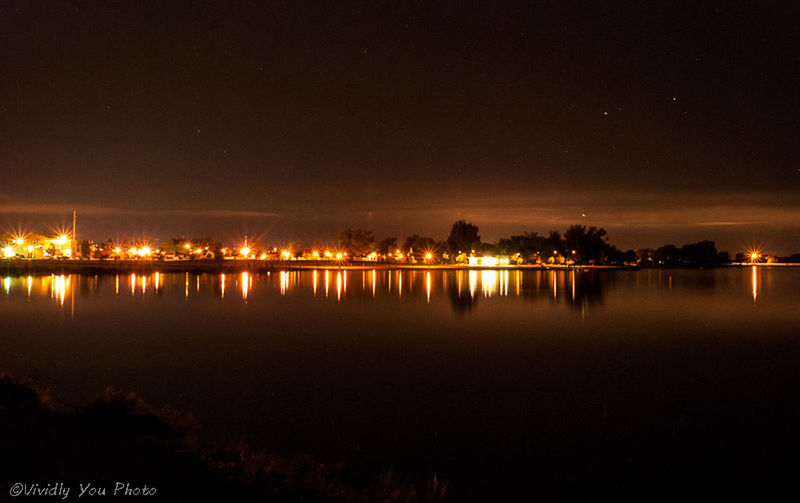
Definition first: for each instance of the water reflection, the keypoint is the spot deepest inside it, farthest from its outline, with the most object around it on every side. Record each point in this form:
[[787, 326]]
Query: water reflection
[[463, 302], [462, 289], [246, 283]]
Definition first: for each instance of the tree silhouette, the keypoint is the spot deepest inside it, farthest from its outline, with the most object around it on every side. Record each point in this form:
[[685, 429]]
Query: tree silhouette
[[357, 241], [463, 237]]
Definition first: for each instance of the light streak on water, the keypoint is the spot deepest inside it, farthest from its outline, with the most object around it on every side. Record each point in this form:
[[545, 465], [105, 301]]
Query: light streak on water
[[428, 286], [473, 282], [314, 281]]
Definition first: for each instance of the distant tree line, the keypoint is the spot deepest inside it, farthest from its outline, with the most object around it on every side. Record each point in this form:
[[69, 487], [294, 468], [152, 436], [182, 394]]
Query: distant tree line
[[579, 244], [700, 254]]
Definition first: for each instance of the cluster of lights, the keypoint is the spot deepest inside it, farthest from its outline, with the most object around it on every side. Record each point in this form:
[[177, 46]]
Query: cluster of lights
[[19, 244]]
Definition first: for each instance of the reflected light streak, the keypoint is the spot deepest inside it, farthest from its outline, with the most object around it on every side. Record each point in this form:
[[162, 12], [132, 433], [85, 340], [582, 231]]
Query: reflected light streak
[[222, 286], [245, 284], [133, 283], [327, 281], [374, 280], [555, 286], [339, 286], [116, 285], [428, 286], [30, 284], [489, 283], [283, 281], [755, 284], [158, 281], [573, 285], [60, 288], [473, 282], [7, 284], [314, 281], [186, 288], [144, 284]]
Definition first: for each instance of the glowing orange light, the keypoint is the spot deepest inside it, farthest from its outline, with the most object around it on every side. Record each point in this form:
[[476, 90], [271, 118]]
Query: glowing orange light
[[754, 254], [245, 251], [117, 250]]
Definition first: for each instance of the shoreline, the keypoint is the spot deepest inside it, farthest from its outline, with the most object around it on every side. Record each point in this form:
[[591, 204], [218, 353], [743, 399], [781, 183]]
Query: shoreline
[[48, 266], [20, 267]]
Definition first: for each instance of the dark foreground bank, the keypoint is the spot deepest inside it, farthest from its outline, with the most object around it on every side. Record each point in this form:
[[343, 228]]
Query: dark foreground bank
[[117, 447]]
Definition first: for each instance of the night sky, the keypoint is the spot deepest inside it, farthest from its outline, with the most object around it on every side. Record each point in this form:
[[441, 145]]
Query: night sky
[[660, 121]]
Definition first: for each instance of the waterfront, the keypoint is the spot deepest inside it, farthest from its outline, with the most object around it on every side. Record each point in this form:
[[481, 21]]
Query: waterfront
[[494, 380]]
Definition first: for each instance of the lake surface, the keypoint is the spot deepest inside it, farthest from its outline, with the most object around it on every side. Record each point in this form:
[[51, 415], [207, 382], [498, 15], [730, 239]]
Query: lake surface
[[497, 381]]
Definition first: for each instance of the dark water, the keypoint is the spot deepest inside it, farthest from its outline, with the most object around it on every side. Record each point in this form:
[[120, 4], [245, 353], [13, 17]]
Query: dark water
[[497, 381]]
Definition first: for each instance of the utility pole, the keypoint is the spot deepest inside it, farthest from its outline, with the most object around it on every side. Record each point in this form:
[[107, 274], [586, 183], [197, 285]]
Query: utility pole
[[74, 251]]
